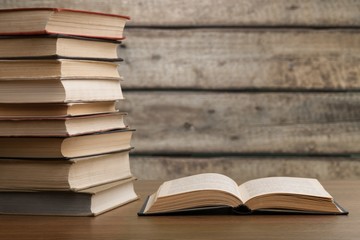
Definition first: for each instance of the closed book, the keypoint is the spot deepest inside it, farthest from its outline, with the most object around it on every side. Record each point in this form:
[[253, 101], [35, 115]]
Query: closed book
[[65, 147], [57, 68], [25, 21], [59, 90], [64, 173], [54, 110], [88, 202], [57, 46], [61, 126]]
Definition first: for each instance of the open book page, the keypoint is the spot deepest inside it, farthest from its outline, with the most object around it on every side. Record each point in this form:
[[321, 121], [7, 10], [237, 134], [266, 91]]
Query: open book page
[[287, 185], [205, 181]]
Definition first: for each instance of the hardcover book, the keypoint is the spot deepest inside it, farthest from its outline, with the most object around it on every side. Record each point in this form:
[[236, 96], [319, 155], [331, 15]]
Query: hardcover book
[[51, 110], [29, 21], [65, 147], [211, 192], [88, 202], [61, 126], [59, 90], [57, 68], [58, 47], [64, 173]]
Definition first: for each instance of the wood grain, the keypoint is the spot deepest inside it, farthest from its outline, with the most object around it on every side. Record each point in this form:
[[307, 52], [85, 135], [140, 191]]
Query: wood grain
[[122, 223], [216, 12], [246, 168], [241, 59], [188, 122]]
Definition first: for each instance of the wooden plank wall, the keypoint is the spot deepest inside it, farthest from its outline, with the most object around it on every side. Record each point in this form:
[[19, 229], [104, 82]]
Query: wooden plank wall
[[248, 88]]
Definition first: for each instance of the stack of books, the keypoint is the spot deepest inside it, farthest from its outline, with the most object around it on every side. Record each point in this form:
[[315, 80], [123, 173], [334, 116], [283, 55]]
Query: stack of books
[[64, 148]]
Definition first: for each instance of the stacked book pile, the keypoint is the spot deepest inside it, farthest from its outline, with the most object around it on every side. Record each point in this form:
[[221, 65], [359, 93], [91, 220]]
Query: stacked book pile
[[64, 148]]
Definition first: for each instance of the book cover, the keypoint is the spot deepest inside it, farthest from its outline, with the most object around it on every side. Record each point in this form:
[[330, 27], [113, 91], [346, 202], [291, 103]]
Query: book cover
[[66, 28]]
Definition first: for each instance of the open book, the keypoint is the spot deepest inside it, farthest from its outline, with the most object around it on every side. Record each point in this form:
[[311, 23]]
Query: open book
[[212, 191]]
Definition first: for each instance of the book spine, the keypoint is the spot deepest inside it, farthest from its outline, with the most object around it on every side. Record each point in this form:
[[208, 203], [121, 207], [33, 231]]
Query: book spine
[[45, 32]]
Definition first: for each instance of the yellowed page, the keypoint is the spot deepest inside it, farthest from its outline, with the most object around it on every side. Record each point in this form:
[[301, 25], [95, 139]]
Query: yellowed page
[[205, 181], [287, 185]]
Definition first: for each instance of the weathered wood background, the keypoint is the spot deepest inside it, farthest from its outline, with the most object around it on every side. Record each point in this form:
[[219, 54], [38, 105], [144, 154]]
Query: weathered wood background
[[248, 88]]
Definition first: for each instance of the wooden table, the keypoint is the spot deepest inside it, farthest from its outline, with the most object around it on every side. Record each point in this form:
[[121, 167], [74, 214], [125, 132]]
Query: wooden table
[[123, 223]]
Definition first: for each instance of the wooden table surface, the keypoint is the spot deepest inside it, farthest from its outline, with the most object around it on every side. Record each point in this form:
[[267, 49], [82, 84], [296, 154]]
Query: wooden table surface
[[123, 223]]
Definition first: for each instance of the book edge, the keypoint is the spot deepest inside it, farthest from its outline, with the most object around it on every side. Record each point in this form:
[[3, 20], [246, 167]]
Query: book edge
[[62, 118], [210, 210], [142, 209], [44, 32], [59, 57], [240, 210], [59, 35], [67, 10], [76, 135], [65, 158], [116, 206], [91, 190]]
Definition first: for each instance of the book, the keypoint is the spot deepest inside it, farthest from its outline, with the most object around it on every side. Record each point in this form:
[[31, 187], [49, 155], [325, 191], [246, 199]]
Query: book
[[57, 68], [61, 126], [60, 90], [55, 110], [88, 202], [58, 46], [212, 191], [25, 21], [65, 147], [64, 173]]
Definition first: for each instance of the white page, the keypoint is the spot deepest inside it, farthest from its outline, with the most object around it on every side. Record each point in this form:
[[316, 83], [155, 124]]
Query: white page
[[290, 185], [205, 181]]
